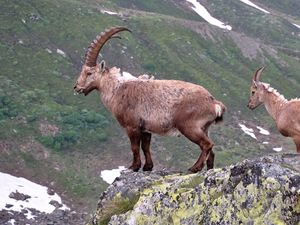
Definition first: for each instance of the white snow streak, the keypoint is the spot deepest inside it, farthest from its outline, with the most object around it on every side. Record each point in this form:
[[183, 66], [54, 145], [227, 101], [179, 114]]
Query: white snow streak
[[255, 6], [279, 149], [247, 130], [109, 12], [263, 131], [296, 25], [202, 11], [110, 175], [39, 197], [61, 52]]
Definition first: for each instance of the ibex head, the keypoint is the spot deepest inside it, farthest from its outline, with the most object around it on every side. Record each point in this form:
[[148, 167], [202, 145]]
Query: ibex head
[[256, 90], [91, 72]]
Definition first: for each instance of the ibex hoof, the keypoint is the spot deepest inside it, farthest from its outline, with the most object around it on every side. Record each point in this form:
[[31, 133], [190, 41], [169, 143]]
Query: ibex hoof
[[194, 169], [134, 168], [147, 167], [209, 167]]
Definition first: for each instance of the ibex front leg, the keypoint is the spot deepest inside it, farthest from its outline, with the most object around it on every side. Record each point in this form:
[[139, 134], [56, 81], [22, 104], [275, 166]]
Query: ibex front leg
[[135, 141]]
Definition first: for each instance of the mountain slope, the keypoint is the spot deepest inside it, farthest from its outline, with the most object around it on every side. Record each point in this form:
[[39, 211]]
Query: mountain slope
[[51, 136]]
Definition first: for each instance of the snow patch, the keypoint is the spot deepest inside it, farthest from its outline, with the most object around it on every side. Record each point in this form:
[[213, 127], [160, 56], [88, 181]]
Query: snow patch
[[296, 25], [11, 222], [278, 149], [202, 11], [39, 197], [109, 12], [254, 6], [48, 50], [110, 175], [265, 142], [263, 131], [248, 131], [61, 52]]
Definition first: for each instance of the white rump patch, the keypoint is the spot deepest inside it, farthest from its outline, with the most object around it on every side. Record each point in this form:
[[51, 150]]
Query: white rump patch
[[218, 110]]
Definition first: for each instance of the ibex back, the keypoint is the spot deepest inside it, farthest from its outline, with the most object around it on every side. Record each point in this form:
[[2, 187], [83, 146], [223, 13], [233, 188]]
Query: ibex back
[[145, 106]]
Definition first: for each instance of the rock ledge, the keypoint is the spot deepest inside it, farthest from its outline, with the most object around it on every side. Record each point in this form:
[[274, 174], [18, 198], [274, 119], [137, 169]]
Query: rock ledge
[[258, 191]]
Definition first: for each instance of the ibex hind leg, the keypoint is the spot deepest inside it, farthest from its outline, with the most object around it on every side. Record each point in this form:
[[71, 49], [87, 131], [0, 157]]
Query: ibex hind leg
[[146, 139], [297, 142], [211, 155], [210, 160], [199, 137]]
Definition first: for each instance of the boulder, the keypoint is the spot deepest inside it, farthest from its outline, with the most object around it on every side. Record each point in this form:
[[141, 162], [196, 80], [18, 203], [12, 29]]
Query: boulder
[[258, 191]]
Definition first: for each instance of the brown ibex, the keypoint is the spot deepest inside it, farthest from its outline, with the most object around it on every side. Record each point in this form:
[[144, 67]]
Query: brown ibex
[[285, 113], [145, 106]]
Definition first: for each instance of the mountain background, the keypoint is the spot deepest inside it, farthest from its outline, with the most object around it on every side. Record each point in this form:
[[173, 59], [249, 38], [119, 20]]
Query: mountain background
[[54, 138]]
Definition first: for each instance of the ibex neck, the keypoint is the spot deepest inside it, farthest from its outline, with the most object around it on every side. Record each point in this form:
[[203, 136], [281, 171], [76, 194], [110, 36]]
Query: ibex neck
[[109, 84], [273, 102]]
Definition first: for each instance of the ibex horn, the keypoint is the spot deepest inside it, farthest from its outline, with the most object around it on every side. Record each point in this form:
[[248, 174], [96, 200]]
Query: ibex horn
[[257, 74], [97, 44]]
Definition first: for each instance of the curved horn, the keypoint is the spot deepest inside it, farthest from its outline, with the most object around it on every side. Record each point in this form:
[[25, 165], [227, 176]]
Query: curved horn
[[257, 74], [97, 44]]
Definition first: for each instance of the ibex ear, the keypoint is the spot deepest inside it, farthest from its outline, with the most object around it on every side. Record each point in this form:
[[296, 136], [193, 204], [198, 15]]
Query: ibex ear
[[102, 66]]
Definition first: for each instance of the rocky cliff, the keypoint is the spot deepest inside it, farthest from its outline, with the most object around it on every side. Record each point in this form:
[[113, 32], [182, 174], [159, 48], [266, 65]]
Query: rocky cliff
[[259, 191]]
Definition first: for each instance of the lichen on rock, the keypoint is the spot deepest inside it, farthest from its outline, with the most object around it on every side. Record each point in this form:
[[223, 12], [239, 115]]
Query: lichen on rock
[[259, 191]]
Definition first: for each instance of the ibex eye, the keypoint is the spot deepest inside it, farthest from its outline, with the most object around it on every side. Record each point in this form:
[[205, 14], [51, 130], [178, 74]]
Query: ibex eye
[[253, 92], [89, 73]]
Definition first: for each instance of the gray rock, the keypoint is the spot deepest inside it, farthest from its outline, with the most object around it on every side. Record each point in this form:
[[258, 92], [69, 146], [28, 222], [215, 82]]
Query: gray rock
[[259, 191]]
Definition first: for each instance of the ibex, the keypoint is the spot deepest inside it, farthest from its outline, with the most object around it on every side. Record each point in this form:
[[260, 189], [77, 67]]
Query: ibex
[[285, 113], [145, 106]]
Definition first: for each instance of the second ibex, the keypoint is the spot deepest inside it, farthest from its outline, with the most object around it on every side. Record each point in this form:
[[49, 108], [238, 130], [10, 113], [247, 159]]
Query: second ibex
[[146, 106]]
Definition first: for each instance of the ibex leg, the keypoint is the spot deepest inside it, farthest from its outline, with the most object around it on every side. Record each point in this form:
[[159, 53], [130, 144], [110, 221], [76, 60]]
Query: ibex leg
[[135, 140], [199, 137], [210, 160], [211, 155], [297, 142], [146, 139]]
